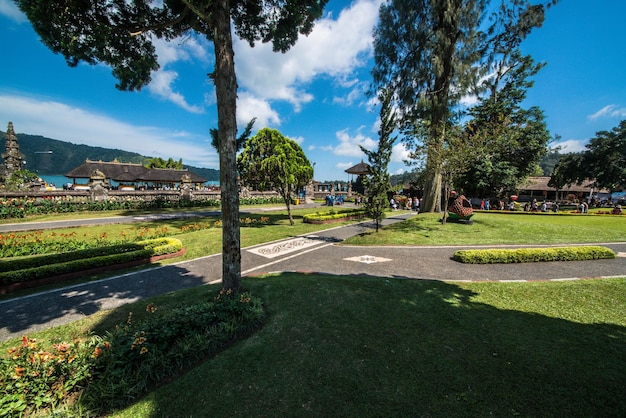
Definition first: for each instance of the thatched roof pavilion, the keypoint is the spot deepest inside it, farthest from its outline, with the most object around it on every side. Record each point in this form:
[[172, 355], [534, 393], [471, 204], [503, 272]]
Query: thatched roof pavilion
[[359, 169], [132, 173]]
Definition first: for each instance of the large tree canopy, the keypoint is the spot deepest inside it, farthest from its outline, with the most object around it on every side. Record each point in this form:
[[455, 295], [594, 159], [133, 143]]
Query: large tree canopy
[[121, 34], [509, 141], [604, 162], [430, 53], [270, 160], [425, 51]]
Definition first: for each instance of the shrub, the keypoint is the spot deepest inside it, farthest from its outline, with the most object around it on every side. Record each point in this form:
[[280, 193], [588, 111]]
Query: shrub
[[32, 268], [26, 206], [141, 354], [332, 215], [33, 378], [524, 255]]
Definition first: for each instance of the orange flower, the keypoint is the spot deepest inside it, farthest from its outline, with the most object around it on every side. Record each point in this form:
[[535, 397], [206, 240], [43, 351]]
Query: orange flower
[[97, 352], [18, 372]]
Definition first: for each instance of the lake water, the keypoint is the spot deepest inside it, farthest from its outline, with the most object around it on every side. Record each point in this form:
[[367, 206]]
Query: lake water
[[60, 180]]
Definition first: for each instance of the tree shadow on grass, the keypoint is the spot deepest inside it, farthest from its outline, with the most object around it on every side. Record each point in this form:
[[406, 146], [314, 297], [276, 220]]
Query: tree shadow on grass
[[370, 346]]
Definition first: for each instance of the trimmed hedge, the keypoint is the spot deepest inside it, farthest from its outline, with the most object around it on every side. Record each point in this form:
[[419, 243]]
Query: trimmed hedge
[[525, 255], [24, 269], [330, 216]]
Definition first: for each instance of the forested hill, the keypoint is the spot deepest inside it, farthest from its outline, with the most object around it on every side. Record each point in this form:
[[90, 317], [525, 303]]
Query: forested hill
[[66, 156]]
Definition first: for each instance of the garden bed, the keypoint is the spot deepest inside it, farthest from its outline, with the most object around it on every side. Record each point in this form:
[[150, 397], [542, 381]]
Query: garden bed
[[329, 217], [87, 272], [36, 270]]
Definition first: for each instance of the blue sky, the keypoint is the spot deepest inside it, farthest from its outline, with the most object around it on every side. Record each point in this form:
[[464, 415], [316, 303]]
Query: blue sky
[[314, 94]]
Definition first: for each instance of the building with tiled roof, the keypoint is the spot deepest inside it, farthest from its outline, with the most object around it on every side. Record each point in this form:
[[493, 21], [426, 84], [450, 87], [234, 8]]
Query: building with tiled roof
[[132, 173]]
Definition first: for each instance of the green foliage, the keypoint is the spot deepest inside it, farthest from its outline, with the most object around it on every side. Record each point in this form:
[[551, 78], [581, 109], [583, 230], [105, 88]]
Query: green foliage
[[508, 141], [421, 50], [346, 214], [272, 161], [144, 353], [34, 379], [158, 162], [23, 207], [604, 161], [525, 255], [377, 183], [239, 142], [19, 180], [431, 53]]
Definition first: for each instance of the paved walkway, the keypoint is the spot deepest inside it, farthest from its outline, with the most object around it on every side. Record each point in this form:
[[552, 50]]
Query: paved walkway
[[316, 252]]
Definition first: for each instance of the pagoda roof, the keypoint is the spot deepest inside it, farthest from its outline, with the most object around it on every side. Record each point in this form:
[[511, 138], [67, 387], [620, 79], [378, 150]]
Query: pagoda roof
[[130, 172], [360, 168]]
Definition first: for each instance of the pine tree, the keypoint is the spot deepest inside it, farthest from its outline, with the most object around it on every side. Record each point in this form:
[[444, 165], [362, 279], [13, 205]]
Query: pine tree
[[377, 183]]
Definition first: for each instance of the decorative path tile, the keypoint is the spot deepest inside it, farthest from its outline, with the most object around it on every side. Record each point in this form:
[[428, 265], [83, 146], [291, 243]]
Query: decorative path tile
[[285, 247], [368, 259]]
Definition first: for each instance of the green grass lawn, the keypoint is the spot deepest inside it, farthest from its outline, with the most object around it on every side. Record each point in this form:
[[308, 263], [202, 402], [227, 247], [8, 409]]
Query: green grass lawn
[[499, 228], [371, 347]]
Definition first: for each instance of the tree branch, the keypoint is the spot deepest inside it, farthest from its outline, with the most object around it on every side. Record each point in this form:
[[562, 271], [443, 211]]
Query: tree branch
[[163, 25]]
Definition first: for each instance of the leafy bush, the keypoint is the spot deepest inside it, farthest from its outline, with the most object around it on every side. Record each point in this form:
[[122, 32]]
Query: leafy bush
[[142, 354], [332, 215], [105, 373], [524, 255], [32, 268], [33, 377]]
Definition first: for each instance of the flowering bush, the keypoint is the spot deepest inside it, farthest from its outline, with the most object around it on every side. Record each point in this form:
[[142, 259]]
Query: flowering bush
[[100, 374], [143, 353], [33, 378]]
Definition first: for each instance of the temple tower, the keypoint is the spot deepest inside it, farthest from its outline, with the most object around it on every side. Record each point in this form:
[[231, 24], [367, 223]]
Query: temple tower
[[13, 160]]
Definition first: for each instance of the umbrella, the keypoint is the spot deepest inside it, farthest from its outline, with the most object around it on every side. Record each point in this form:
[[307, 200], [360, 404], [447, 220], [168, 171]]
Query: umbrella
[[513, 197]]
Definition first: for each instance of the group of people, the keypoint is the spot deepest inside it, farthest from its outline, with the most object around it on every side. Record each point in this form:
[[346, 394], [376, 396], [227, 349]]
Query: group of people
[[412, 203], [332, 200]]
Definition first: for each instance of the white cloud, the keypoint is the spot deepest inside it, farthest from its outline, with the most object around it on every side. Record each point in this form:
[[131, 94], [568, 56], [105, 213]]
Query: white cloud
[[10, 10], [334, 48], [249, 106], [399, 153], [354, 95], [349, 144], [169, 53], [298, 139], [161, 86], [66, 123], [572, 145], [345, 166], [611, 111]]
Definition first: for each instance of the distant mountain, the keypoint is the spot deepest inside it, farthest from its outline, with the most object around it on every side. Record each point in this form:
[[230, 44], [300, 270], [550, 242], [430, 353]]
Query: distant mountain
[[66, 156]]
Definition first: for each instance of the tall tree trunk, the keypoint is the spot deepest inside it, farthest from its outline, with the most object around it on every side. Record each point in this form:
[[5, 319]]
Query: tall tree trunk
[[432, 189], [447, 32], [226, 92]]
